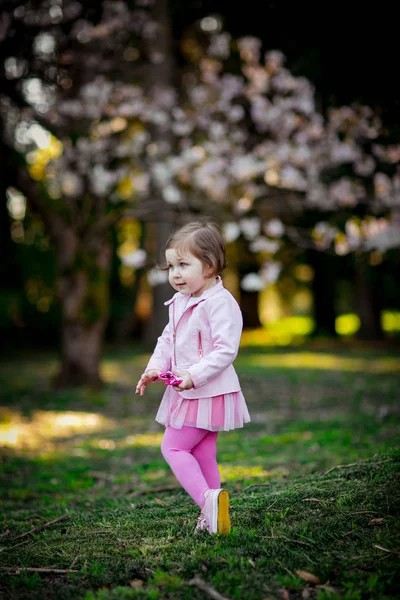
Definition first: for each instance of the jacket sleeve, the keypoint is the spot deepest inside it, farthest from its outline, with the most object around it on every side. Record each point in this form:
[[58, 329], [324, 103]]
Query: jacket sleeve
[[226, 322], [161, 357]]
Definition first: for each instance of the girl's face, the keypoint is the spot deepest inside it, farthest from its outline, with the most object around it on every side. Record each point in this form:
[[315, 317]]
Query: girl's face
[[187, 274]]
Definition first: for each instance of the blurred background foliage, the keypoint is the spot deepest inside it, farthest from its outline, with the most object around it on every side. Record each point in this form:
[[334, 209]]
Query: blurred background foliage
[[317, 290]]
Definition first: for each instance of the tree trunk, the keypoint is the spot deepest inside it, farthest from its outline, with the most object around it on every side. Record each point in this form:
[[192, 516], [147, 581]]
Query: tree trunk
[[249, 307], [369, 299], [84, 295], [161, 74], [161, 292], [323, 290], [247, 263]]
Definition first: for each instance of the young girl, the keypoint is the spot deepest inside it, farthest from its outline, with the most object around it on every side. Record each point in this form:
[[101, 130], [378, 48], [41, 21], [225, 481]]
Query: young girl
[[199, 345]]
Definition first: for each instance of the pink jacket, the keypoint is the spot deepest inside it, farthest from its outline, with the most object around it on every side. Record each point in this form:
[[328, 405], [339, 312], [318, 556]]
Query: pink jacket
[[204, 341]]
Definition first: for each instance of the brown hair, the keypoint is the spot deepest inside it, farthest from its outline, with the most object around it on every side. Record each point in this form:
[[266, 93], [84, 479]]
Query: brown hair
[[204, 240]]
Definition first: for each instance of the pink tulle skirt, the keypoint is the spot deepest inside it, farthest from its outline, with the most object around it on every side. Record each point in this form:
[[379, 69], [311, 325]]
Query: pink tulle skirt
[[218, 413]]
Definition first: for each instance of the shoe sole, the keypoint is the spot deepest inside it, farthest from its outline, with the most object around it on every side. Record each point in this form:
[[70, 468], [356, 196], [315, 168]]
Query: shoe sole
[[224, 521]]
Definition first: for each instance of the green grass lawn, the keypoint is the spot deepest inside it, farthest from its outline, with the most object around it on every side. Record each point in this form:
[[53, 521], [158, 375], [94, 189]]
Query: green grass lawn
[[314, 484]]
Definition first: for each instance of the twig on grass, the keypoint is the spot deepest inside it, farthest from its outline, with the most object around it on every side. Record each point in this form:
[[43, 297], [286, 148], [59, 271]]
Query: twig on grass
[[99, 531], [101, 476], [328, 501], [15, 546], [285, 568], [283, 537], [202, 585], [253, 486], [17, 570], [357, 464], [165, 488], [44, 526], [363, 512], [386, 550], [271, 505]]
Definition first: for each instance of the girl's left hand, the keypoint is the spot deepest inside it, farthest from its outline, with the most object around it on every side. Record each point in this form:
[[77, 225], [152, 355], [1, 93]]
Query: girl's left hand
[[186, 383]]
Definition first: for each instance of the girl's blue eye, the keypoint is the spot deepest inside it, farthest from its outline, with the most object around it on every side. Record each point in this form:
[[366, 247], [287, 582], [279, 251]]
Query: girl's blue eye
[[182, 264]]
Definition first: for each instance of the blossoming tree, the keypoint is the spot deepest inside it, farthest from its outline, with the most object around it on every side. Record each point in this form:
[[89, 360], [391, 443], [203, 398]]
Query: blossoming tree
[[105, 125]]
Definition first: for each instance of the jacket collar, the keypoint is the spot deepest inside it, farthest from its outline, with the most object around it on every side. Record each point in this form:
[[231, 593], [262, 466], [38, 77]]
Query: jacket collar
[[210, 292]]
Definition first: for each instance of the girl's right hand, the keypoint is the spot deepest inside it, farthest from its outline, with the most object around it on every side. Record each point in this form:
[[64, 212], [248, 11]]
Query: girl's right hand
[[146, 378]]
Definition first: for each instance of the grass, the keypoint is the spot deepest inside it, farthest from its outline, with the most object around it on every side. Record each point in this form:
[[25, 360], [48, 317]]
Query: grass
[[321, 456]]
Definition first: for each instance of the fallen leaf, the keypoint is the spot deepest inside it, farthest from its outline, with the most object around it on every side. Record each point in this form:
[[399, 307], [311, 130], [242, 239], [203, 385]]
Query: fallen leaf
[[306, 576], [158, 501], [285, 594], [378, 521], [252, 563], [136, 583], [305, 594]]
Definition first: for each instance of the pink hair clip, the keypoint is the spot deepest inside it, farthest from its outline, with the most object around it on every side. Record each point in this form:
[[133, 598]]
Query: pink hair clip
[[169, 378]]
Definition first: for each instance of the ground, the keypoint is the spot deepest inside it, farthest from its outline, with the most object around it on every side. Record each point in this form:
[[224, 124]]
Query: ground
[[314, 484]]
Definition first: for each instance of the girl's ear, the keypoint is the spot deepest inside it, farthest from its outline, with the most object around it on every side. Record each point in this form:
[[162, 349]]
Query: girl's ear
[[208, 271]]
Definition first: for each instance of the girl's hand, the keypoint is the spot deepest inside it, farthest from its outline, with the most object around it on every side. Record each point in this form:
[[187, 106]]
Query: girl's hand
[[186, 384], [146, 378]]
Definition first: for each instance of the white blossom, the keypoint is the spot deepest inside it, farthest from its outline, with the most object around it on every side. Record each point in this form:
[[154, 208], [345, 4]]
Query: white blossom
[[324, 234], [342, 152], [161, 173], [171, 194], [101, 180], [231, 231], [246, 167], [342, 246], [182, 128], [198, 95], [250, 227], [345, 192], [71, 184], [249, 48], [16, 203], [236, 113], [364, 166], [384, 239], [274, 228], [141, 182], [136, 259], [382, 185], [263, 244], [274, 59], [220, 45], [157, 277], [353, 234], [270, 272], [292, 178], [252, 282], [230, 86]]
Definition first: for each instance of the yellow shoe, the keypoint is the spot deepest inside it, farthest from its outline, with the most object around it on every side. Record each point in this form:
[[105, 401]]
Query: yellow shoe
[[216, 511]]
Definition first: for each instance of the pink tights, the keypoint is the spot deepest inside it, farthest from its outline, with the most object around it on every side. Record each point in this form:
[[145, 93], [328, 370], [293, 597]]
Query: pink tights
[[192, 455]]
